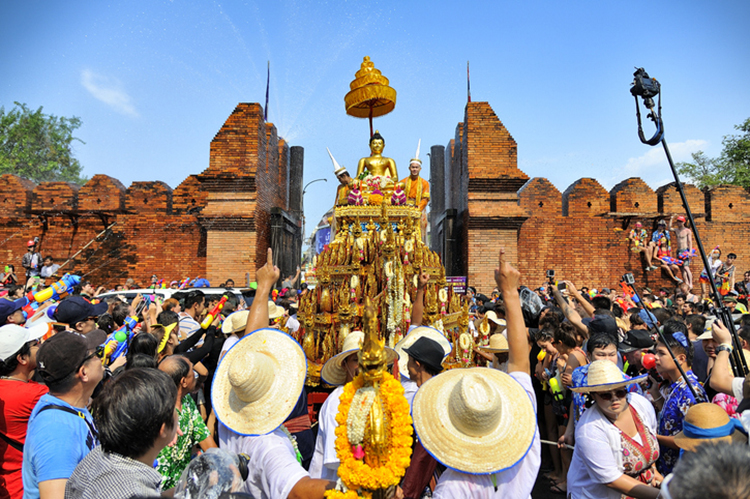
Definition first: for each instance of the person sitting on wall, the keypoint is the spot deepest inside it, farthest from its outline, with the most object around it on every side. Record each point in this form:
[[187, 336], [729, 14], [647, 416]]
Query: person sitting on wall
[[639, 239]]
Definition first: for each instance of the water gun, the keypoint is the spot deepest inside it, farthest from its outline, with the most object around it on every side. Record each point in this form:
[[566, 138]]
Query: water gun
[[117, 343], [626, 290], [554, 388], [31, 305], [648, 361], [59, 289], [213, 313], [184, 283]]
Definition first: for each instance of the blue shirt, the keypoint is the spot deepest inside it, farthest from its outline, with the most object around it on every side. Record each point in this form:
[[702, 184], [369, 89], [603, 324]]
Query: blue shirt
[[56, 441], [679, 399]]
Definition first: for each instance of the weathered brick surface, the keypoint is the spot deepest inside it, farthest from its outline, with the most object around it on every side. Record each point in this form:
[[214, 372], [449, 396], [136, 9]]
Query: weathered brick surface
[[102, 192], [206, 227], [581, 232]]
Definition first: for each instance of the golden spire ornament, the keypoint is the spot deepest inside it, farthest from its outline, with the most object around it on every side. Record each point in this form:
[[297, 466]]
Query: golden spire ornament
[[370, 95]]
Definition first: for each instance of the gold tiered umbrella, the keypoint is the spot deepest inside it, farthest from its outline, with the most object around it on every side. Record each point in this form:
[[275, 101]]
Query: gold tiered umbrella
[[370, 96]]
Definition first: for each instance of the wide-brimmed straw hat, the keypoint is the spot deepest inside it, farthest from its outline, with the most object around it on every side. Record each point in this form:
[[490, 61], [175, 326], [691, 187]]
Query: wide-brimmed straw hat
[[708, 423], [474, 420], [258, 382], [333, 371], [498, 344], [414, 335], [492, 315], [236, 321], [604, 376], [274, 311]]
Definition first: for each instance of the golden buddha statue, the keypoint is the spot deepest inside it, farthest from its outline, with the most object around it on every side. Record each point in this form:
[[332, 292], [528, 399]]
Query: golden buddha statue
[[376, 164]]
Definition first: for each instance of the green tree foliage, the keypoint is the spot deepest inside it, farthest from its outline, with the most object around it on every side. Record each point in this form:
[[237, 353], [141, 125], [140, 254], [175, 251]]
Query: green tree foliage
[[38, 146], [731, 167]]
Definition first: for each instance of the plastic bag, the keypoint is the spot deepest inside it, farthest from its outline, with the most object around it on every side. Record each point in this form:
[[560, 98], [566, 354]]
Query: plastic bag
[[211, 474]]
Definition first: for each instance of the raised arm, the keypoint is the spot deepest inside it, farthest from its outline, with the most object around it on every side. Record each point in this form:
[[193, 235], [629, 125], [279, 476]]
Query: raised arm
[[506, 277], [266, 276], [418, 306], [587, 306], [570, 312], [721, 379]]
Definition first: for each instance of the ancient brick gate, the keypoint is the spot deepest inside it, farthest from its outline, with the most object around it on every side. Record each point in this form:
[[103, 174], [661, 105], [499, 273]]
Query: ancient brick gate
[[215, 225], [218, 224], [481, 201]]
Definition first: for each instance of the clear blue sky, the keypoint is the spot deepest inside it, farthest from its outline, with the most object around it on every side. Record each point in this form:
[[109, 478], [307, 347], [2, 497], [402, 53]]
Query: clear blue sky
[[154, 81]]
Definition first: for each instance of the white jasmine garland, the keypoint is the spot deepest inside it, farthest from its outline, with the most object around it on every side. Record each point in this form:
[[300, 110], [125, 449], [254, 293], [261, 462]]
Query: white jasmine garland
[[293, 440], [358, 412]]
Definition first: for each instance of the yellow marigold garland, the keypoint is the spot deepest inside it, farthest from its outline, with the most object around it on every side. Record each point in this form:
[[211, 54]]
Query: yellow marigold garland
[[356, 475]]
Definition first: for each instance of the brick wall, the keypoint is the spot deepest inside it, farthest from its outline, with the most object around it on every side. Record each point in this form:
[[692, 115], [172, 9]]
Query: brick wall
[[214, 224], [581, 232]]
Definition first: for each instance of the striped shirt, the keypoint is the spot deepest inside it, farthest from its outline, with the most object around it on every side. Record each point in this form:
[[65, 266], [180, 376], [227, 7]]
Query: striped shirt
[[107, 475]]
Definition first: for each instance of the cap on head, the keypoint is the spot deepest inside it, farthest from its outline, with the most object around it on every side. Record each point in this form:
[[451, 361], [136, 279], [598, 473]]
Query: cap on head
[[31, 243], [681, 219], [62, 354], [75, 309], [427, 352]]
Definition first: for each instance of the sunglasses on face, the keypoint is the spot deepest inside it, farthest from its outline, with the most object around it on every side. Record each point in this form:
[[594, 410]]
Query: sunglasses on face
[[620, 394]]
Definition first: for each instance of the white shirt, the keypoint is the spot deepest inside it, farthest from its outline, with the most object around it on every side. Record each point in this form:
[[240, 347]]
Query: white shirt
[[325, 463], [272, 464], [597, 458], [513, 483], [292, 324], [410, 388], [228, 343], [737, 388]]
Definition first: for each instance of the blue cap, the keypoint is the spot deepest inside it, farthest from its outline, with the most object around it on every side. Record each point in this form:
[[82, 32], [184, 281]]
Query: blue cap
[[7, 307]]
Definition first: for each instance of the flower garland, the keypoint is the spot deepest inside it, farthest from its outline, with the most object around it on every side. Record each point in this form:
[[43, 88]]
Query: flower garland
[[466, 346], [357, 478], [292, 439]]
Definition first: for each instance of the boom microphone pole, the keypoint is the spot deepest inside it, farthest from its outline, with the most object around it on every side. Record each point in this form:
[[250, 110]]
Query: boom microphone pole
[[647, 88]]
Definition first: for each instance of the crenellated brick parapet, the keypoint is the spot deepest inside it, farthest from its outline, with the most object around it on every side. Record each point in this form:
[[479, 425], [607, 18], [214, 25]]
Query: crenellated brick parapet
[[207, 226], [580, 232]]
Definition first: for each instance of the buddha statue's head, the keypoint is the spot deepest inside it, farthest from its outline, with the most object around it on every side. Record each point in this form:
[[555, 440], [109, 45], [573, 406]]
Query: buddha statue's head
[[377, 143]]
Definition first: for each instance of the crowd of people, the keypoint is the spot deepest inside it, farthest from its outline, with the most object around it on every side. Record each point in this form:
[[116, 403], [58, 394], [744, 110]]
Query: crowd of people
[[607, 393]]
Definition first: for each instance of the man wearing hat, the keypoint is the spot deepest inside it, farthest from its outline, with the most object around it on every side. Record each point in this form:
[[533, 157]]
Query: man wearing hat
[[256, 387], [425, 352], [18, 396], [61, 430], [338, 371], [31, 261], [10, 311], [481, 423], [79, 314], [635, 344]]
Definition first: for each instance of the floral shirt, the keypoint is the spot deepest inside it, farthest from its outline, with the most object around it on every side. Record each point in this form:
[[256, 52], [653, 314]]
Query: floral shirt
[[173, 460], [580, 377], [639, 236], [678, 399]]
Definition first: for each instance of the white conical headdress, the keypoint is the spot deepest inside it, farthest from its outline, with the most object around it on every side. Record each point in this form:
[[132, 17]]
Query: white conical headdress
[[337, 168], [416, 156]]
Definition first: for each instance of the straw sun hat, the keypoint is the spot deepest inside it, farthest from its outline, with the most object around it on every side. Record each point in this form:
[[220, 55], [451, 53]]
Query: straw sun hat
[[708, 423], [236, 321], [333, 371], [475, 420], [414, 335], [604, 376], [258, 382], [498, 344]]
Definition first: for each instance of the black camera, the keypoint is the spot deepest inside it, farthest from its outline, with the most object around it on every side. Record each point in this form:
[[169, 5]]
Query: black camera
[[645, 86], [550, 274], [628, 279]]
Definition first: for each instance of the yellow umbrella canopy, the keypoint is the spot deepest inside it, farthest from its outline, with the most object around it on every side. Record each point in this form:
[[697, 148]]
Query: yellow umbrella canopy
[[370, 96]]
